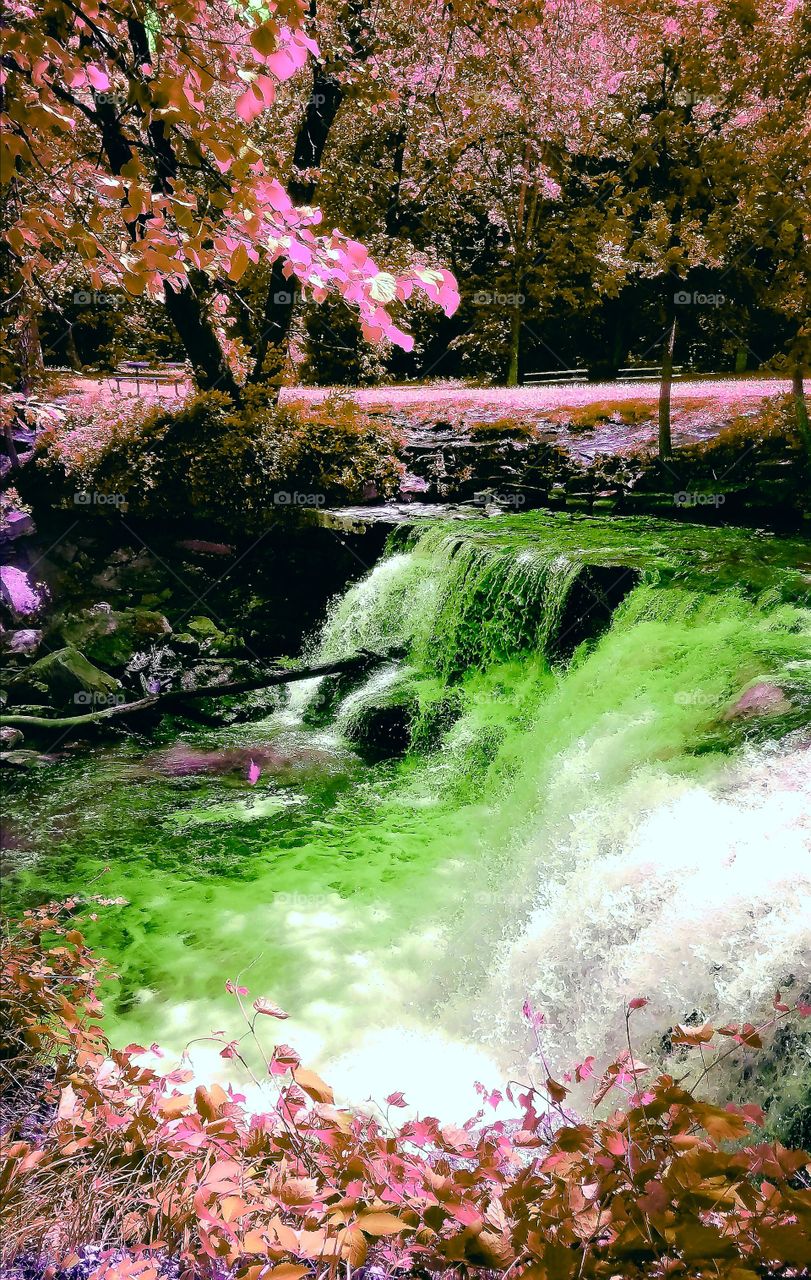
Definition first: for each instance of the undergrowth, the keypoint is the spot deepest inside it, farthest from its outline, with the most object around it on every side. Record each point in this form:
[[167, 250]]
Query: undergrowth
[[105, 1151]]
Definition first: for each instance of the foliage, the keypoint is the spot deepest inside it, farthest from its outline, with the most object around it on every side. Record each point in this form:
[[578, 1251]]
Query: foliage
[[773, 422], [213, 461], [664, 1185], [129, 146]]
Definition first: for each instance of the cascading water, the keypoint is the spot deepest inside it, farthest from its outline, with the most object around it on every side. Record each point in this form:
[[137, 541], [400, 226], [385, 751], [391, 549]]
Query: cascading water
[[606, 795]]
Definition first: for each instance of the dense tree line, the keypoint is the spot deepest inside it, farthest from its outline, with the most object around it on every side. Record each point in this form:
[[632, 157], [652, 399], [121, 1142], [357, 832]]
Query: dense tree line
[[613, 183]]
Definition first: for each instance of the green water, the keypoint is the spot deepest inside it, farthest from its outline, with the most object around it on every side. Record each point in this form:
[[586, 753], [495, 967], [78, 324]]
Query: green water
[[573, 826]]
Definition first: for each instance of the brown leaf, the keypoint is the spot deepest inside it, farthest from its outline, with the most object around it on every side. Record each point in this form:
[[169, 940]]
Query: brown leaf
[[381, 1224], [313, 1085], [177, 1105]]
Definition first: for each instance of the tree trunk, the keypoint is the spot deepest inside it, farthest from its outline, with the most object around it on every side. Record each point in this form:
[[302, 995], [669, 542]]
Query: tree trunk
[[362, 661], [11, 448], [319, 116], [72, 351], [29, 346], [515, 344], [187, 312], [185, 306], [311, 139], [801, 407], [665, 441]]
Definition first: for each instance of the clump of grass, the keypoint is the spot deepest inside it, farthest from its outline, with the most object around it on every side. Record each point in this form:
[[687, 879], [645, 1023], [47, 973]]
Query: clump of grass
[[501, 428], [587, 417]]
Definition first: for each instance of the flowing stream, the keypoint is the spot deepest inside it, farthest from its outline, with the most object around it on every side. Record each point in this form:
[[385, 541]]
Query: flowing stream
[[606, 794]]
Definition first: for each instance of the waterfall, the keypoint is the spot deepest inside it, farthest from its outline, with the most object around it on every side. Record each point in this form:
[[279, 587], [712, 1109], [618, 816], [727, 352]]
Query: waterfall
[[605, 826], [599, 791]]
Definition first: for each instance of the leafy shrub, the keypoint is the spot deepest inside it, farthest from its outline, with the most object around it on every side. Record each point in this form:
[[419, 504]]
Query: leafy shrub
[[772, 424], [663, 1185], [211, 460]]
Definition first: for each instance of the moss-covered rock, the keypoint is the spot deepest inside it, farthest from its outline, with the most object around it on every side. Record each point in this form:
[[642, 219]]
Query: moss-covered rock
[[381, 721], [67, 678], [110, 637], [210, 637]]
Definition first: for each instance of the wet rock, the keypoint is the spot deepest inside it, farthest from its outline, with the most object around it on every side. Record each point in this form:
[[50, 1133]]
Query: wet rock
[[16, 524], [110, 637], [761, 699], [22, 596], [66, 552], [23, 643], [203, 628], [435, 718], [9, 738], [22, 759], [206, 548], [382, 722], [383, 730], [210, 636], [68, 678], [185, 642], [130, 571]]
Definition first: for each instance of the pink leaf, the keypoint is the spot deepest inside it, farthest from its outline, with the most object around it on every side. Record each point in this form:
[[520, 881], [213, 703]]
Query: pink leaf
[[269, 1008], [98, 78], [249, 105], [584, 1070], [254, 773], [396, 1100]]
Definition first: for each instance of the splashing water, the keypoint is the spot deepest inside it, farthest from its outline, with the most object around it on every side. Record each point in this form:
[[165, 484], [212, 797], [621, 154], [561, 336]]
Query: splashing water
[[583, 815]]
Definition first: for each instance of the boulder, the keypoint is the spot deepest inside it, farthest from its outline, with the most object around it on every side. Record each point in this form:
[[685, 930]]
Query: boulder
[[185, 642], [69, 680], [23, 643], [210, 637], [761, 699], [16, 524], [9, 738], [381, 721], [203, 628], [110, 637], [24, 759], [22, 596]]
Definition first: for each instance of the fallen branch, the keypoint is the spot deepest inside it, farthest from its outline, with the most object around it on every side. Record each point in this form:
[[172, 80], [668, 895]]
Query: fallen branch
[[160, 702]]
